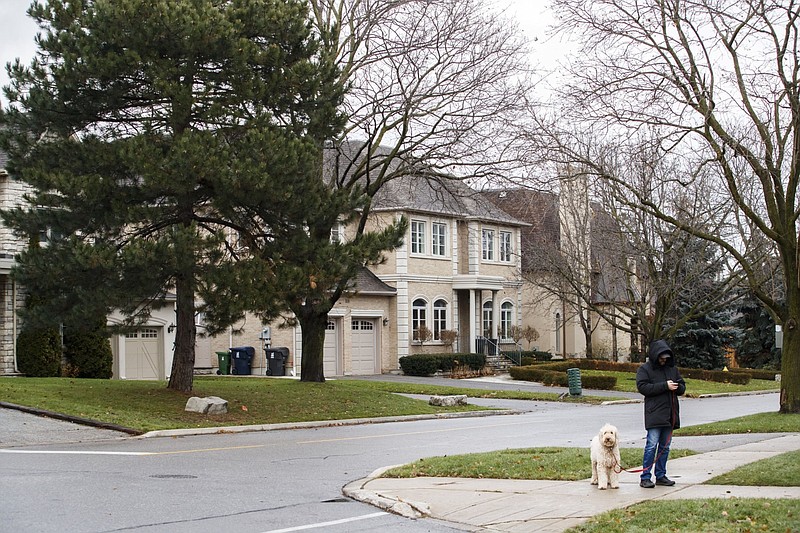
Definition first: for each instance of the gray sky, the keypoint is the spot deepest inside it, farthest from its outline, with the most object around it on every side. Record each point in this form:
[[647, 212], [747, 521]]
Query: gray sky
[[18, 30]]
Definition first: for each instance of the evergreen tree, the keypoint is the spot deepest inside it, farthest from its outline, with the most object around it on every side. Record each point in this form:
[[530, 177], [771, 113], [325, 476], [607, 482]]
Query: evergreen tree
[[143, 125], [755, 339], [701, 342], [87, 351]]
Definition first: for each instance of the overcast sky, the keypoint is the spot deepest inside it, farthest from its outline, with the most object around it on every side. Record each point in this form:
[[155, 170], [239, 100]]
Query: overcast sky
[[18, 31]]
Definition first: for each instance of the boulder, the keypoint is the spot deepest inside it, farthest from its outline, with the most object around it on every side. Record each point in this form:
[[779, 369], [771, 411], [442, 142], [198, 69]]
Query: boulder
[[211, 405], [448, 401]]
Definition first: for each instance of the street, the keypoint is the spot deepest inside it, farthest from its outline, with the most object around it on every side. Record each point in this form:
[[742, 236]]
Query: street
[[288, 480]]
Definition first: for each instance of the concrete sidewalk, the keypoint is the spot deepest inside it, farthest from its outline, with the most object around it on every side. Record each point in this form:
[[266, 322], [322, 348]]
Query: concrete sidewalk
[[553, 506]]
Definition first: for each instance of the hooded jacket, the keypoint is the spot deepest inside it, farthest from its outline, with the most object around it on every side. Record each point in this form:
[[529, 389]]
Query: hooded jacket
[[661, 408]]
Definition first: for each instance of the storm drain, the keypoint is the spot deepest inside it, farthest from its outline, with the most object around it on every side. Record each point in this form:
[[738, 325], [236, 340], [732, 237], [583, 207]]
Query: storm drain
[[173, 476]]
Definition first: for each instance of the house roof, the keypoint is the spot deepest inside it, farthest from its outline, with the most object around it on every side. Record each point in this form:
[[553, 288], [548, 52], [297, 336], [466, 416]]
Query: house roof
[[366, 282], [440, 197], [413, 191]]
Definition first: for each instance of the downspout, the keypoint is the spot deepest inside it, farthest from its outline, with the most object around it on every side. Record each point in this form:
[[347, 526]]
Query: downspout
[[14, 324]]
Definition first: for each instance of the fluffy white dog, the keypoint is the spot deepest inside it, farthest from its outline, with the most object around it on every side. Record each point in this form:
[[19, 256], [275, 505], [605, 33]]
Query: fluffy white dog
[[605, 458]]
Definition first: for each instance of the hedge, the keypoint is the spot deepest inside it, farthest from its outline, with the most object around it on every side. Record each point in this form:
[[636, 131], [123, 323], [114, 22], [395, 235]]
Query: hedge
[[739, 378], [555, 378], [429, 364]]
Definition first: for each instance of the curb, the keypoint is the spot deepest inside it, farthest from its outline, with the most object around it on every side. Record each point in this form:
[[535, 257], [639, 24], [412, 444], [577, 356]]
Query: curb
[[69, 418], [405, 508], [322, 423]]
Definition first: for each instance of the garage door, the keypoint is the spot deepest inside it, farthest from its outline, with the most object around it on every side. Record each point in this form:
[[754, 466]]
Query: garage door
[[331, 349], [365, 352], [142, 354]]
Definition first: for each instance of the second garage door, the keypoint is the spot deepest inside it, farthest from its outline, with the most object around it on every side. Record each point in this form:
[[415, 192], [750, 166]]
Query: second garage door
[[365, 352]]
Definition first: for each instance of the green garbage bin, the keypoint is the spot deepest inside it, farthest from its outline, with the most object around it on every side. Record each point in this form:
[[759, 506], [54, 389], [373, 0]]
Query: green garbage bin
[[574, 380], [224, 362]]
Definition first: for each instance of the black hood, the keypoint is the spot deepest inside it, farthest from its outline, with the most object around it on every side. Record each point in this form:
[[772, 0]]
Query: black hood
[[657, 348]]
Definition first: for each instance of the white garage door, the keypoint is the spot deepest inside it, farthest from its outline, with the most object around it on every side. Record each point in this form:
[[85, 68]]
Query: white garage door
[[142, 355], [365, 352], [331, 350]]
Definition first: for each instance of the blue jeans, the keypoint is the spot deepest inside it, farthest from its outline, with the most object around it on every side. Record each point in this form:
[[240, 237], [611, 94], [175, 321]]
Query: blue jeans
[[656, 450]]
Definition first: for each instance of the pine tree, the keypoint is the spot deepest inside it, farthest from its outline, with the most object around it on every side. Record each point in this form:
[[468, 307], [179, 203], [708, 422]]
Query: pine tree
[[143, 126]]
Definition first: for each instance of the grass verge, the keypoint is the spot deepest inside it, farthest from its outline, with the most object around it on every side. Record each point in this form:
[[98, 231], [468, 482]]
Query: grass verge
[[782, 470], [690, 516], [562, 464]]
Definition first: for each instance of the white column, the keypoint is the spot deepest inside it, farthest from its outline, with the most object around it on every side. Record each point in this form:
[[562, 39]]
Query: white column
[[472, 334], [495, 314]]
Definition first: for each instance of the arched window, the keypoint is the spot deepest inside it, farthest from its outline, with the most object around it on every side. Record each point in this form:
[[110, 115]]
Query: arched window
[[559, 327], [506, 320], [487, 319], [419, 316], [439, 318]]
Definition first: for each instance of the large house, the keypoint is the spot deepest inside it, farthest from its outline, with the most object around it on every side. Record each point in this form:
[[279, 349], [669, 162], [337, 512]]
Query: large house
[[458, 273]]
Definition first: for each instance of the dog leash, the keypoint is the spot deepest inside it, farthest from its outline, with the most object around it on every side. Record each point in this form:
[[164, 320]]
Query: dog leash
[[618, 467]]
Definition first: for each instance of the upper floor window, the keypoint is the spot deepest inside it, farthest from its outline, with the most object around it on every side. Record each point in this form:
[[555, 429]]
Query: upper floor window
[[417, 237], [419, 316], [337, 233], [438, 238], [505, 246], [487, 244], [439, 319], [506, 318]]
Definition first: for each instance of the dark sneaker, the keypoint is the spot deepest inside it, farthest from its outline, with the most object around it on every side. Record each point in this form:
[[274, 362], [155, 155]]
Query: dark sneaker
[[665, 481], [647, 484]]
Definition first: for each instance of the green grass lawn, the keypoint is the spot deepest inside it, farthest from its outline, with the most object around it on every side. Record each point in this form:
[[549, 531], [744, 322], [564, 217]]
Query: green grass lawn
[[149, 405]]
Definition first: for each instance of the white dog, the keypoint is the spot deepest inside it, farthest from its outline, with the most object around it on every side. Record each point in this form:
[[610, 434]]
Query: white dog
[[605, 458]]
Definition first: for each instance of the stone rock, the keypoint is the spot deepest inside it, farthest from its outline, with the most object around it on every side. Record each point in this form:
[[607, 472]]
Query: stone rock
[[448, 401], [211, 405]]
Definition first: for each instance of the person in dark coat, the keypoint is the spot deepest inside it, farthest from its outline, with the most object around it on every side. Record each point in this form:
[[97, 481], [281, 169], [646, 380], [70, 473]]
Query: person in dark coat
[[659, 381]]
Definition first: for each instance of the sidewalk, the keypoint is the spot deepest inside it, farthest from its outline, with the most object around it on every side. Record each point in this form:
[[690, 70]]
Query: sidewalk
[[519, 506]]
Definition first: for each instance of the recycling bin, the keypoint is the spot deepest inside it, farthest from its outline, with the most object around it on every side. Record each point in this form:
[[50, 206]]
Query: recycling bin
[[224, 359], [276, 360], [242, 358], [574, 381]]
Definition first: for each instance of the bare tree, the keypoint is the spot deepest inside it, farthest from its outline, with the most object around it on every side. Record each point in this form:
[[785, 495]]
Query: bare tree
[[432, 88], [434, 85], [718, 83]]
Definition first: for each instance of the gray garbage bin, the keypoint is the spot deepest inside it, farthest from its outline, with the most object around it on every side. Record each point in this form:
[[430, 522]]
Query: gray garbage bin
[[276, 360], [242, 359]]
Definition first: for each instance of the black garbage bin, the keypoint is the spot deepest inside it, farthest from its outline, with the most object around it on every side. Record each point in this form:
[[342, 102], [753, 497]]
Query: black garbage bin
[[242, 359], [276, 360]]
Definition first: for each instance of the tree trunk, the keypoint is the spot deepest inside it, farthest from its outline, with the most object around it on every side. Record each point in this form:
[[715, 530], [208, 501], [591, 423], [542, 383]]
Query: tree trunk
[[313, 324], [181, 378], [790, 364]]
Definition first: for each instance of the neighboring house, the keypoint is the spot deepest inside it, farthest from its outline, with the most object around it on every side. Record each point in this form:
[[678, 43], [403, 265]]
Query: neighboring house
[[553, 224], [13, 299]]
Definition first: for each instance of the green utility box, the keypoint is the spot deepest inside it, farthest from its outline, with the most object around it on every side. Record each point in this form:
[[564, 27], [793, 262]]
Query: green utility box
[[574, 380]]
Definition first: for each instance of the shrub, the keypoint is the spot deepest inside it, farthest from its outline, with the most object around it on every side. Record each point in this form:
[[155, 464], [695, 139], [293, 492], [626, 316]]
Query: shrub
[[755, 373], [39, 353], [429, 364], [88, 354], [559, 378]]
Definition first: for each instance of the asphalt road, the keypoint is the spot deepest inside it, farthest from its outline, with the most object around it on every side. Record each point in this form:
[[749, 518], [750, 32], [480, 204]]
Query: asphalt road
[[79, 480]]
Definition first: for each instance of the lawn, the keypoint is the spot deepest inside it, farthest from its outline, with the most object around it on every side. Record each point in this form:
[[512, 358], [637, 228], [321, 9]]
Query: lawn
[[149, 405]]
